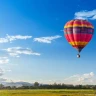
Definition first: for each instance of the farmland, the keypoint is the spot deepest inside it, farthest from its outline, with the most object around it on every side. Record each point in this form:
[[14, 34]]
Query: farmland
[[48, 92]]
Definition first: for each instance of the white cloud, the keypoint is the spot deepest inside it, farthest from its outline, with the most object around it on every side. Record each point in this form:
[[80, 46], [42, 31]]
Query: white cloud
[[9, 38], [88, 78], [4, 60], [47, 39], [86, 14], [2, 72], [4, 40], [16, 51]]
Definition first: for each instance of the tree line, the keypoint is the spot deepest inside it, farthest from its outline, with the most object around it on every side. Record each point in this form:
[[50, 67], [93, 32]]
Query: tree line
[[36, 85]]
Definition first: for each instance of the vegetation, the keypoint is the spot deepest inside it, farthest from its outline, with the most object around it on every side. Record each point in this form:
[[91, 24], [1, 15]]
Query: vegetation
[[47, 92], [36, 85]]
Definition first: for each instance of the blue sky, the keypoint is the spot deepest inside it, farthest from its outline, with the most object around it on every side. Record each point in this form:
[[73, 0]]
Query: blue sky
[[33, 46]]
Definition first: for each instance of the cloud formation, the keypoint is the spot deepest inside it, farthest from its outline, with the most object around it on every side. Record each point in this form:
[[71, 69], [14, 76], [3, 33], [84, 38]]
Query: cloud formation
[[2, 72], [47, 39], [87, 78], [86, 15], [9, 38], [17, 51], [4, 60]]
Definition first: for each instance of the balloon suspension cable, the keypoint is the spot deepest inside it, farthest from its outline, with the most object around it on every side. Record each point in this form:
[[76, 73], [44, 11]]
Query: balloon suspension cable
[[78, 55]]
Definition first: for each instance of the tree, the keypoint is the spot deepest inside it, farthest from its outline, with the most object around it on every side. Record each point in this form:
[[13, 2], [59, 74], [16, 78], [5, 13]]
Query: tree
[[36, 84], [1, 86]]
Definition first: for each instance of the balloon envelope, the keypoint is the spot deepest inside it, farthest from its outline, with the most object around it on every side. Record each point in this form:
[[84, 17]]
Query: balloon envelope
[[78, 33]]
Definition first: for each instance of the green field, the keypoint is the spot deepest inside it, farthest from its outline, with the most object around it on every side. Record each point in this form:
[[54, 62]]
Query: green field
[[49, 92]]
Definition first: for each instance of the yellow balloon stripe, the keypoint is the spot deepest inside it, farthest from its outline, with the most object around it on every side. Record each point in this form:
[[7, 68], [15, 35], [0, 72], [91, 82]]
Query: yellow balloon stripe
[[78, 43], [76, 25]]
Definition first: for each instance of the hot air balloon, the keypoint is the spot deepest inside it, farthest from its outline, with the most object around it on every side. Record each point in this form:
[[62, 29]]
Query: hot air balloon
[[78, 33]]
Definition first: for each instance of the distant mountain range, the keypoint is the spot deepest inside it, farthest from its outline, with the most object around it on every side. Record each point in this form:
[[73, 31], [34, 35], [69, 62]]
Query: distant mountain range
[[17, 84]]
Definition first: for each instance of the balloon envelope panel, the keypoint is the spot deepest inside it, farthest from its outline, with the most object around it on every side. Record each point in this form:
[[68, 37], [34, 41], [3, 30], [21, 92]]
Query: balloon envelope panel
[[78, 33]]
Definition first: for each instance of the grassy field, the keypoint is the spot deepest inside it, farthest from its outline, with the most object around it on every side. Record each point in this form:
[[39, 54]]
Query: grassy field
[[45, 92]]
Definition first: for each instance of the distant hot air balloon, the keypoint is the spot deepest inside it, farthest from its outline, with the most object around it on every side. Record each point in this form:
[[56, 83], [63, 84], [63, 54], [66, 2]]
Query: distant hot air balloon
[[78, 33]]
